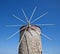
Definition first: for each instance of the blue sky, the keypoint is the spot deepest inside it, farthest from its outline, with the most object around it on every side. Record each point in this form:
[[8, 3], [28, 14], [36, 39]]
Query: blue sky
[[10, 7]]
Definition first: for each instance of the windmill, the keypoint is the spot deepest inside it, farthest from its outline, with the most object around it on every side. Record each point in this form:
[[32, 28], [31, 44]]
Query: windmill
[[30, 35]]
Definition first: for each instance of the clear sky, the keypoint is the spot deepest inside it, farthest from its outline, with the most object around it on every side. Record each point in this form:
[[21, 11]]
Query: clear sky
[[10, 7]]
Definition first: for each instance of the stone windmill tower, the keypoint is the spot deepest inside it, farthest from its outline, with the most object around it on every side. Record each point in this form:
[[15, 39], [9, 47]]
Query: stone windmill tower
[[30, 35], [31, 42]]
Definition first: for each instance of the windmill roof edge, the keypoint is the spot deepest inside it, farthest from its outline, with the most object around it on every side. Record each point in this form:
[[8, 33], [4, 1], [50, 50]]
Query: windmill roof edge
[[26, 25]]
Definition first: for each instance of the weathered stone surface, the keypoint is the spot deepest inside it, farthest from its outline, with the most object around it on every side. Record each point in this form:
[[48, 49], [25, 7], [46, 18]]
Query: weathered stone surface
[[31, 43]]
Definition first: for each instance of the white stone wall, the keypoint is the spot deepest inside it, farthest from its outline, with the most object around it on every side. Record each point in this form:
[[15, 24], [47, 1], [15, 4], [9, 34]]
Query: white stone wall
[[31, 42]]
